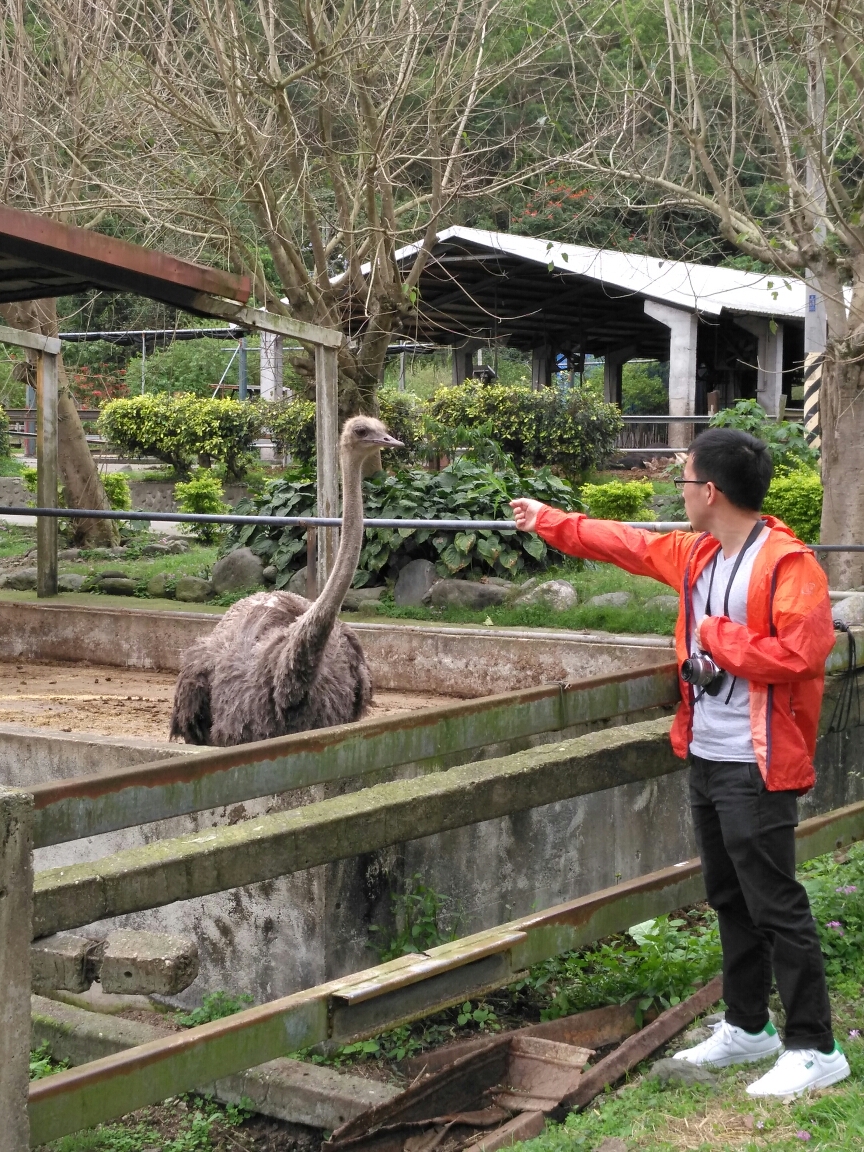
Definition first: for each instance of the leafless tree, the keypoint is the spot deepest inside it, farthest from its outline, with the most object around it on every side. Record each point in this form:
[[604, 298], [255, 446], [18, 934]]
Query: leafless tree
[[754, 115], [307, 139]]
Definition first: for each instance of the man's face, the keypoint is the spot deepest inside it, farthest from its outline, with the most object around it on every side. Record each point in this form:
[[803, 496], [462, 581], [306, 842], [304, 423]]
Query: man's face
[[695, 497]]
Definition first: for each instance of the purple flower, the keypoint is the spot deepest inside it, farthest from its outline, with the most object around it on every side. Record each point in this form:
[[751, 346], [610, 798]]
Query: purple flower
[[846, 890], [854, 1033], [803, 1135], [837, 926]]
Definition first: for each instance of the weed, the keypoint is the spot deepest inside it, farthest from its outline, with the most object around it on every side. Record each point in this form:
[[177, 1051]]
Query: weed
[[214, 1006], [41, 1063], [196, 1124], [417, 914]]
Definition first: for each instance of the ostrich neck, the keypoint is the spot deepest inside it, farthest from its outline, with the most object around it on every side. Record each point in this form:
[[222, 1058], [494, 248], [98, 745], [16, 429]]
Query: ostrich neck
[[326, 607]]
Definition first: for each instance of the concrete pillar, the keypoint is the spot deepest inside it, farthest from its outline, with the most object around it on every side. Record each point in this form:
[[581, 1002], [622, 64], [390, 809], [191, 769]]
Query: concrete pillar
[[16, 916], [769, 360], [46, 478], [327, 448], [463, 360], [542, 360], [272, 366], [683, 326], [613, 374]]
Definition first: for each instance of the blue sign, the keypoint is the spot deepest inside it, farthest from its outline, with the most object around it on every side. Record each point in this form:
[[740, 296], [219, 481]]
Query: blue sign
[[811, 302]]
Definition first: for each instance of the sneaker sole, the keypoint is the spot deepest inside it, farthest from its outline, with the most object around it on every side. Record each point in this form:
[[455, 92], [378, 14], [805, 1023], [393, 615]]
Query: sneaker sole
[[824, 1081], [728, 1061]]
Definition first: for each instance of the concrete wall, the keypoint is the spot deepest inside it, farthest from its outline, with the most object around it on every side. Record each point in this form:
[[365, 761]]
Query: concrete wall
[[158, 495], [466, 662]]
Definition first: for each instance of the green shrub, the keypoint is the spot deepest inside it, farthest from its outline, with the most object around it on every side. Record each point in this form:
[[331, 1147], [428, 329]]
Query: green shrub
[[292, 427], [202, 494], [796, 499], [785, 439], [402, 412], [177, 429], [191, 366], [118, 491], [617, 500], [574, 430], [5, 449], [465, 490], [643, 392]]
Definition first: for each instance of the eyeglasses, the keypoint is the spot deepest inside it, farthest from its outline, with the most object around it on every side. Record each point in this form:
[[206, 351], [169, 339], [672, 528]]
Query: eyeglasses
[[679, 483]]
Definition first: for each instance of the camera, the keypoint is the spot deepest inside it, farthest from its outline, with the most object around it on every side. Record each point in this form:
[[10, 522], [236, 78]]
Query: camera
[[702, 672]]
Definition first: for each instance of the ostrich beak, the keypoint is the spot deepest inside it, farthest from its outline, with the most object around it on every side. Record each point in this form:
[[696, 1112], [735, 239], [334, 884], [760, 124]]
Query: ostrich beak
[[388, 441]]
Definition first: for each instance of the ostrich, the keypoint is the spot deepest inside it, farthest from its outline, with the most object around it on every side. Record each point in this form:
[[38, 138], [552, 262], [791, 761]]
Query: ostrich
[[277, 663]]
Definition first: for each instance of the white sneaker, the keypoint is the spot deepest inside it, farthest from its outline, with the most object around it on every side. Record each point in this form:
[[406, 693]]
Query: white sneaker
[[732, 1045], [800, 1069]]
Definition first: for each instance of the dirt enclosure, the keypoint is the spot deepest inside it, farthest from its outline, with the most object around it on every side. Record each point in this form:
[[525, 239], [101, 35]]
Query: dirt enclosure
[[112, 701]]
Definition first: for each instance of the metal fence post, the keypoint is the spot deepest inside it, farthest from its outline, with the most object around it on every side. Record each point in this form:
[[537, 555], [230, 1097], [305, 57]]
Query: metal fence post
[[46, 464], [327, 445], [16, 916]]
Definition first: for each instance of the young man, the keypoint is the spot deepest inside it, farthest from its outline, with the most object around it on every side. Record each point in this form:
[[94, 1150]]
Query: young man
[[755, 613]]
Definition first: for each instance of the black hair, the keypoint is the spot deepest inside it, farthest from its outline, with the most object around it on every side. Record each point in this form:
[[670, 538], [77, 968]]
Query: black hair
[[738, 464]]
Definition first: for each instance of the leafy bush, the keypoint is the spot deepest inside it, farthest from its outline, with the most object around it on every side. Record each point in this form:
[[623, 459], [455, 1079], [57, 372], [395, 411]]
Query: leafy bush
[[463, 491], [177, 429], [191, 366], [574, 430], [5, 449], [643, 392], [118, 491], [796, 499], [402, 412], [203, 495], [617, 500], [785, 439], [292, 427]]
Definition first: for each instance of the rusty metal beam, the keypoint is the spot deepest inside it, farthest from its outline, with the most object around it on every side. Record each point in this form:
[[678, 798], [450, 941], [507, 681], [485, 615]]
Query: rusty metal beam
[[436, 737], [380, 998]]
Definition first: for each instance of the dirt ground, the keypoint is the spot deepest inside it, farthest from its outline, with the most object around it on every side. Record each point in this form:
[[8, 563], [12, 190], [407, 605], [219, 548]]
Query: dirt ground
[[121, 701]]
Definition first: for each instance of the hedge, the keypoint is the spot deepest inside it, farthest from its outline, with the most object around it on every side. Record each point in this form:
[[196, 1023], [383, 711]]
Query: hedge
[[796, 499]]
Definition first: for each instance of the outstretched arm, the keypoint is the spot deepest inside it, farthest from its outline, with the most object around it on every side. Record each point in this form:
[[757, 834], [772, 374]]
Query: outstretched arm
[[660, 556]]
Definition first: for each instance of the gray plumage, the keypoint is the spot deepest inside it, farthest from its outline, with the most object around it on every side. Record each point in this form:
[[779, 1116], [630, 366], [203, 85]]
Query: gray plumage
[[277, 663]]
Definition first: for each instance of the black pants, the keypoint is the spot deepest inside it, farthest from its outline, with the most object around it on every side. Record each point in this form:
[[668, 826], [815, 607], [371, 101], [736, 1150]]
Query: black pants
[[746, 838]]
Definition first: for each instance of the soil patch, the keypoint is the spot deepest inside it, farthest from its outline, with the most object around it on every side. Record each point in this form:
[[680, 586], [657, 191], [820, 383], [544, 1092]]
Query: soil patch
[[112, 701]]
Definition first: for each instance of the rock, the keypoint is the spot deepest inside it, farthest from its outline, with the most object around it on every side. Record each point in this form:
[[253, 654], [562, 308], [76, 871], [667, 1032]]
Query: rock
[[499, 580], [662, 604], [98, 553], [117, 586], [612, 1144], [177, 547], [671, 1071], [297, 583], [269, 574], [157, 586], [113, 574], [358, 598], [558, 595], [193, 590], [517, 590], [238, 570], [413, 582], [611, 600], [69, 582], [147, 963], [22, 581], [69, 554], [464, 594], [850, 610], [156, 550]]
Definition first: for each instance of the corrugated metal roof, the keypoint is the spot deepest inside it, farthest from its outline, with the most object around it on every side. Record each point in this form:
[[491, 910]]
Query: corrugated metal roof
[[696, 287]]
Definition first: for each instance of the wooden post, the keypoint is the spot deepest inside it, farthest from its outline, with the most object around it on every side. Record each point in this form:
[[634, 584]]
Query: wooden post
[[46, 465], [16, 916], [713, 402], [327, 446]]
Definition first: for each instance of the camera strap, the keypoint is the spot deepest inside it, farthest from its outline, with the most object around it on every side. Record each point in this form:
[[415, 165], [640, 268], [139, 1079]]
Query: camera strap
[[754, 535]]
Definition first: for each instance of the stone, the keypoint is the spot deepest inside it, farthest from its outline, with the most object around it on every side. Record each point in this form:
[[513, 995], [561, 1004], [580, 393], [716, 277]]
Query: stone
[[559, 595], [70, 582], [193, 590], [297, 583], [269, 574], [612, 1144], [464, 594], [611, 600], [157, 586], [413, 582], [662, 604], [238, 570], [98, 553], [24, 580], [155, 550], [359, 598], [148, 963], [671, 1071], [499, 580], [177, 547], [117, 586], [61, 962], [113, 573], [69, 554], [850, 610]]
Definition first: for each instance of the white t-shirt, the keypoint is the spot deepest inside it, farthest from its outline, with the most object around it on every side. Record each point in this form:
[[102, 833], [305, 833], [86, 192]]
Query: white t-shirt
[[721, 724]]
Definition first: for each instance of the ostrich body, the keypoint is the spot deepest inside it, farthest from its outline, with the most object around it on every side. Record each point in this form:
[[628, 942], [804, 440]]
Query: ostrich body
[[277, 663]]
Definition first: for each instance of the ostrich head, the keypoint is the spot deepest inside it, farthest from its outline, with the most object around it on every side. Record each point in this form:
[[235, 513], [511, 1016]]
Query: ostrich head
[[363, 435]]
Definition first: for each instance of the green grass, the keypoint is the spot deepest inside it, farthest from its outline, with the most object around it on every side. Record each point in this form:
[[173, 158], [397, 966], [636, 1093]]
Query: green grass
[[11, 466], [15, 539], [197, 561]]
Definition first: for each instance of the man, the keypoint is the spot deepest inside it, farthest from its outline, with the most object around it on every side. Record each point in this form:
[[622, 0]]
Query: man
[[754, 600]]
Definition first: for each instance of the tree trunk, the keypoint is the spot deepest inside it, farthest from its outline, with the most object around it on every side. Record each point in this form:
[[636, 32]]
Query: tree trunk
[[841, 411], [77, 468]]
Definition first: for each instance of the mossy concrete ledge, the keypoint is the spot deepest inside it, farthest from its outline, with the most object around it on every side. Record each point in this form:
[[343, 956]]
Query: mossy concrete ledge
[[336, 829]]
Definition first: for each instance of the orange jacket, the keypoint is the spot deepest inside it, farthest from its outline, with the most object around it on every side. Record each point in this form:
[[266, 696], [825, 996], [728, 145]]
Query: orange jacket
[[781, 650]]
